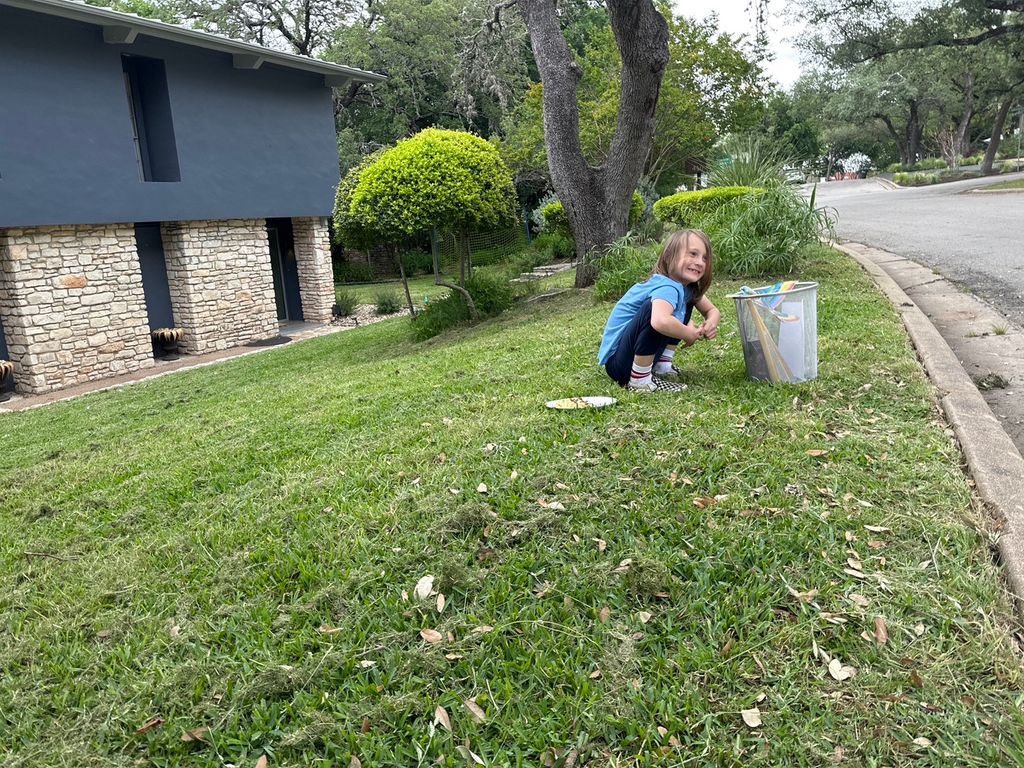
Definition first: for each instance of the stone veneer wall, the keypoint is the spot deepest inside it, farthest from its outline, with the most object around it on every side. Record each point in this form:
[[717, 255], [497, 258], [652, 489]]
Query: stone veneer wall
[[316, 278], [222, 288], [72, 304]]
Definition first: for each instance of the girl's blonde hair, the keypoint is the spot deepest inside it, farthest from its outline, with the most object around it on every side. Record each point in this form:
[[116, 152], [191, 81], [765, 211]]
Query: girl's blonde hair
[[674, 248]]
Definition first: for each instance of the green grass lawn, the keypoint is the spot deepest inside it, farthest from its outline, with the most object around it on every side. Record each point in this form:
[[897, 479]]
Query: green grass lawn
[[1018, 184], [420, 287], [236, 548]]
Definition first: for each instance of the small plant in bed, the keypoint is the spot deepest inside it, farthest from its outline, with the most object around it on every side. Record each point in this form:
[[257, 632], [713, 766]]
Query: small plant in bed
[[387, 303]]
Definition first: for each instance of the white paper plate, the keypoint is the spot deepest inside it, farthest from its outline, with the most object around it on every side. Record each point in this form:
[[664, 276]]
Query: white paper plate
[[574, 403]]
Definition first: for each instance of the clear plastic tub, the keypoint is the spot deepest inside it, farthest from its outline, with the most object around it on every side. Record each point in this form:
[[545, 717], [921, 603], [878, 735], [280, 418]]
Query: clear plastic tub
[[778, 327]]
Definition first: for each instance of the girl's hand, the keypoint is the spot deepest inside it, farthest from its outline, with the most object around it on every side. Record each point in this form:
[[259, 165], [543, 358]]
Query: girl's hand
[[709, 330]]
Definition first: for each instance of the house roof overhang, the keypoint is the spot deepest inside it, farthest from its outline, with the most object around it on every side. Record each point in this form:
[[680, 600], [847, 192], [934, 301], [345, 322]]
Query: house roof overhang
[[122, 29]]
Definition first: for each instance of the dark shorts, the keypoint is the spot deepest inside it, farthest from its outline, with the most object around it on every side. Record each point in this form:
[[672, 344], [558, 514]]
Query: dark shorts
[[638, 338]]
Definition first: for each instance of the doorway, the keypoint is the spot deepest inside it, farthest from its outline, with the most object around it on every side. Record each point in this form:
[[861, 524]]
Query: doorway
[[6, 382], [286, 270]]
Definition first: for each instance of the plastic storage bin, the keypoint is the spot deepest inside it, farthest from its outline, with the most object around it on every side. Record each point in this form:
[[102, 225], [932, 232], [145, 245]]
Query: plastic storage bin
[[779, 331]]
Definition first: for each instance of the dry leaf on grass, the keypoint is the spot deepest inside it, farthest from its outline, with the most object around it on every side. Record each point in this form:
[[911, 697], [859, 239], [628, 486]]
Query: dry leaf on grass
[[752, 717], [355, 762], [602, 545], [475, 710], [881, 631], [921, 741], [623, 566], [469, 755], [644, 617], [432, 636], [859, 600], [366, 663], [482, 488], [423, 588], [149, 725], [604, 614], [196, 734], [482, 630], [441, 716], [595, 674], [440, 602], [703, 502], [817, 452], [876, 528], [804, 597], [261, 762], [327, 629], [840, 671]]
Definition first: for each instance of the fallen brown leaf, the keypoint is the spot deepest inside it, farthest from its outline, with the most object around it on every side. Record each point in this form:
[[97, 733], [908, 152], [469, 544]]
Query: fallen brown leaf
[[595, 674], [644, 617], [423, 587], [261, 762], [475, 710], [840, 671], [327, 629], [355, 762], [604, 614], [804, 597], [881, 631], [703, 502], [441, 716], [602, 545], [482, 630], [752, 717], [196, 734], [816, 452], [432, 636], [149, 725]]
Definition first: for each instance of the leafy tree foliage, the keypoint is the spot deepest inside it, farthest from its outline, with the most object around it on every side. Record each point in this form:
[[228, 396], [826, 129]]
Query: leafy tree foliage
[[710, 88], [438, 178]]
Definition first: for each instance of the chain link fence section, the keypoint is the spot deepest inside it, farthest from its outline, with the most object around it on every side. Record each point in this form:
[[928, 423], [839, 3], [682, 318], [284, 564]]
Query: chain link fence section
[[485, 248]]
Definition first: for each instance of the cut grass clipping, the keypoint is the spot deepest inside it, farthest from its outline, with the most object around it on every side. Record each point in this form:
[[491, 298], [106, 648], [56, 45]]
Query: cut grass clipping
[[361, 550]]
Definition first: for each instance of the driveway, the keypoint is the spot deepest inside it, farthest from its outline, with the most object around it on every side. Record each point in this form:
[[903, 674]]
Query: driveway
[[976, 239]]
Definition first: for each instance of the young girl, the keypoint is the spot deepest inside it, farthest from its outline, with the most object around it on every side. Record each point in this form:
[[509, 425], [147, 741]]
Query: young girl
[[647, 323]]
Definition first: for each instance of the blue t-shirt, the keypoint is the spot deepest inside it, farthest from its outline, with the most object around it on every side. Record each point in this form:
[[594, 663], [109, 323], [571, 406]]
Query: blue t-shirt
[[657, 287]]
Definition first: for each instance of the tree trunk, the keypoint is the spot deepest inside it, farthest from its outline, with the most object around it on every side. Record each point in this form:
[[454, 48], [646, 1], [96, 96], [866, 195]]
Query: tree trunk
[[405, 283], [964, 124], [915, 130], [997, 134], [596, 200]]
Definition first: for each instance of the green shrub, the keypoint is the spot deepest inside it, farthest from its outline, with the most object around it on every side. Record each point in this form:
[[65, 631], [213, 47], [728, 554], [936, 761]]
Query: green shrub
[[387, 303], [491, 291], [688, 209], [352, 272], [418, 262], [556, 246], [627, 262], [345, 302], [929, 164], [762, 235], [557, 221], [915, 179], [894, 168], [1008, 166]]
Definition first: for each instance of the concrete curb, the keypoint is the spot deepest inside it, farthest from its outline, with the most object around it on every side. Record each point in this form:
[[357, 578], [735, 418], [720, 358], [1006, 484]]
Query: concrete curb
[[992, 459]]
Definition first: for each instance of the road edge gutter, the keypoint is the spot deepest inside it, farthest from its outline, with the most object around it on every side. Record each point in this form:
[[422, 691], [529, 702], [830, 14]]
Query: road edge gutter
[[993, 460]]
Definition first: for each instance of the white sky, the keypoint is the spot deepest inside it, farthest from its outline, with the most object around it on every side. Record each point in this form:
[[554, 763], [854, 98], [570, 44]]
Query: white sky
[[734, 19]]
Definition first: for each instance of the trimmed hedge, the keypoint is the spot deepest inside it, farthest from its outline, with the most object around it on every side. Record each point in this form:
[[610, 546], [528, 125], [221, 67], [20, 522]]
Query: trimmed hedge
[[556, 220], [687, 209]]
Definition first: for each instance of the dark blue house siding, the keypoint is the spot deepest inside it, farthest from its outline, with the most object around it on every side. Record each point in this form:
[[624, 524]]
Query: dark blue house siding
[[249, 143]]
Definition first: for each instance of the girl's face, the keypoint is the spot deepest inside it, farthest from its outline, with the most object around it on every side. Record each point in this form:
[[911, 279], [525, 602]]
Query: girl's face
[[692, 261]]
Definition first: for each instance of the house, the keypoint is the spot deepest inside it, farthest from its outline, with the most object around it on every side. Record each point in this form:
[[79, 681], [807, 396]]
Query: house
[[150, 176]]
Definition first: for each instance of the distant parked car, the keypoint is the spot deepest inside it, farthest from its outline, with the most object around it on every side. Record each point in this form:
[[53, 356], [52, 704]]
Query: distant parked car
[[794, 175]]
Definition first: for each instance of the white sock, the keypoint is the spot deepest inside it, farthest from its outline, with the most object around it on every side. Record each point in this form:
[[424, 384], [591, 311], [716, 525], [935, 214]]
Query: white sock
[[641, 374], [664, 364]]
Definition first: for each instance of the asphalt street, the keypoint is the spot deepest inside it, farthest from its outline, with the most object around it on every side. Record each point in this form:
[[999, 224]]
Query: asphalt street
[[976, 239]]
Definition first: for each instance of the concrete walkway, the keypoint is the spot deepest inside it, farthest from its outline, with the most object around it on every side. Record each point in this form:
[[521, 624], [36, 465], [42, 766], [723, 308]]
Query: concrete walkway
[[968, 348]]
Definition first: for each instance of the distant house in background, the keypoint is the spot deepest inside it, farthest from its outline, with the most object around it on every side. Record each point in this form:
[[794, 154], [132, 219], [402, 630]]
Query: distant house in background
[[152, 176]]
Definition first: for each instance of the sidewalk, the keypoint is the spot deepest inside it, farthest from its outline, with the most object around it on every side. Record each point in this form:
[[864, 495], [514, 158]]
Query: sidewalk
[[975, 358]]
